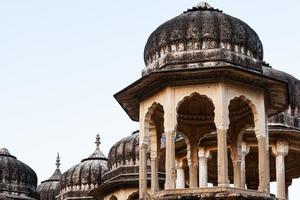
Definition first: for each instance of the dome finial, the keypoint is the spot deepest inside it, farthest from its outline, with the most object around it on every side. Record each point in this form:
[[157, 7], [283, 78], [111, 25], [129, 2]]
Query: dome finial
[[97, 141], [4, 151], [57, 161], [203, 5]]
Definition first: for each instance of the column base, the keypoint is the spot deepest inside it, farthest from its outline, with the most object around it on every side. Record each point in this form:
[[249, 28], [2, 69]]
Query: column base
[[223, 184]]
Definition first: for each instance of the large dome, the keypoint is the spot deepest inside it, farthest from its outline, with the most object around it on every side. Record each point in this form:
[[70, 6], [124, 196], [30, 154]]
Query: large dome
[[49, 188], [87, 175], [17, 180], [202, 34]]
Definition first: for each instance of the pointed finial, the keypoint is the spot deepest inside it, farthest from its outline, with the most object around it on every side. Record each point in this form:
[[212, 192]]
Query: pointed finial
[[57, 161], [98, 141], [203, 4]]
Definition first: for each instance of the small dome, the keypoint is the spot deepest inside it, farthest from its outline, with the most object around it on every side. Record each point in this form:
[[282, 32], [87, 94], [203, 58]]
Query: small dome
[[124, 152], [49, 188], [202, 34], [16, 178], [123, 164], [87, 175]]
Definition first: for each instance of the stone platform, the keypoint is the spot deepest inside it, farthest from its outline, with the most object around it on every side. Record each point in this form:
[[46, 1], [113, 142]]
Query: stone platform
[[212, 193]]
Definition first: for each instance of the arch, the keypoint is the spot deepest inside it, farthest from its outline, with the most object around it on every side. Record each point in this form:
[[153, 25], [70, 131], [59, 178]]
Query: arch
[[154, 118], [206, 136], [151, 110], [195, 117], [243, 114], [194, 94], [133, 196], [198, 108], [254, 113], [153, 131]]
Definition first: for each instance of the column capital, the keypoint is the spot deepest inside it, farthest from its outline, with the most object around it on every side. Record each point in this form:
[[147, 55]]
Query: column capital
[[202, 153], [153, 155], [180, 163], [144, 144], [280, 148]]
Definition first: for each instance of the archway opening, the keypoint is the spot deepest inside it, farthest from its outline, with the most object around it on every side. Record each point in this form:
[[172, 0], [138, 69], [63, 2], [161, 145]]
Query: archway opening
[[154, 129], [241, 117], [195, 118]]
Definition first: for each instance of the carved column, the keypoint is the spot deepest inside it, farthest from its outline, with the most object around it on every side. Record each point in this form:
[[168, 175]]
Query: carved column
[[143, 170], [180, 177], [244, 152], [263, 166], [236, 162], [154, 174], [155, 144], [203, 157], [280, 151], [237, 173], [221, 101], [170, 160], [222, 157], [193, 166]]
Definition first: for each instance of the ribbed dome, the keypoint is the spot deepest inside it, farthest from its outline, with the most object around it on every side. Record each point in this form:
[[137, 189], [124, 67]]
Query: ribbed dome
[[16, 178], [124, 152], [86, 175], [49, 188], [195, 35]]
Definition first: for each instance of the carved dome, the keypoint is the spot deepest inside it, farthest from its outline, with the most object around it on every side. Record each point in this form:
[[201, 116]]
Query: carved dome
[[202, 34], [49, 188], [123, 164], [17, 180], [124, 152], [79, 179]]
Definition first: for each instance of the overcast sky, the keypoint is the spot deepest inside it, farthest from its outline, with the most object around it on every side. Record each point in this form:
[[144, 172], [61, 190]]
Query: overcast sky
[[61, 61]]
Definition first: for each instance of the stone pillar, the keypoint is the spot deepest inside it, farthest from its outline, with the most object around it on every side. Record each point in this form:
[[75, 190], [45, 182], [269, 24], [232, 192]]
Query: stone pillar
[[180, 177], [154, 174], [170, 160], [237, 173], [193, 166], [236, 162], [244, 151], [155, 144], [143, 170], [222, 158], [280, 151], [263, 168], [203, 157]]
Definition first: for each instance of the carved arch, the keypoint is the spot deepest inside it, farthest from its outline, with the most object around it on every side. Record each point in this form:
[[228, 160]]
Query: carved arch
[[194, 94], [254, 112]]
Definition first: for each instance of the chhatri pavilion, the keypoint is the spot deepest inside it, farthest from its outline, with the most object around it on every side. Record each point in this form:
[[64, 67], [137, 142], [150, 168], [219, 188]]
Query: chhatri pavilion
[[216, 122]]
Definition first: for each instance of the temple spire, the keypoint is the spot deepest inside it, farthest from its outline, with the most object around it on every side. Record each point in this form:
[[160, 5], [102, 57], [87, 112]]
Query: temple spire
[[97, 141], [57, 161]]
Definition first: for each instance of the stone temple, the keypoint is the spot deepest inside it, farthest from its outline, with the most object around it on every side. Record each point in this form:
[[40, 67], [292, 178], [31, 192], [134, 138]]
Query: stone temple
[[216, 123]]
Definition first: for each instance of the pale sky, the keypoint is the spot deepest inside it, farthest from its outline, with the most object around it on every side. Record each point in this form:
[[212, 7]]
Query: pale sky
[[61, 61]]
